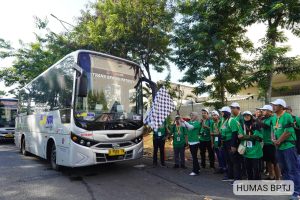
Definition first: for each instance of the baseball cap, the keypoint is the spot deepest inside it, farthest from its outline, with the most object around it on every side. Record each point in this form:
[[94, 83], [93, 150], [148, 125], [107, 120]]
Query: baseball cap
[[279, 102], [214, 112], [225, 109], [235, 105], [267, 107], [247, 113], [205, 109], [177, 116]]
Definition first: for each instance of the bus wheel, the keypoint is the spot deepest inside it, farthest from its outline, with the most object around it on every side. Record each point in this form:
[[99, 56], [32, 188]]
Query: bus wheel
[[53, 158], [23, 149]]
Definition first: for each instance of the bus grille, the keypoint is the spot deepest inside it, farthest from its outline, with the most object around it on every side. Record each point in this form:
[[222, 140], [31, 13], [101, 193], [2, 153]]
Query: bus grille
[[109, 146]]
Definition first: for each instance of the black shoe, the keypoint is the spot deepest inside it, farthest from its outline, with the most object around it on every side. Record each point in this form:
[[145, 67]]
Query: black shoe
[[183, 167], [163, 165], [176, 166]]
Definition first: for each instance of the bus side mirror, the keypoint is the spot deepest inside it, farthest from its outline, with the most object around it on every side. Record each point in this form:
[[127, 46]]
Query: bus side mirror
[[82, 85]]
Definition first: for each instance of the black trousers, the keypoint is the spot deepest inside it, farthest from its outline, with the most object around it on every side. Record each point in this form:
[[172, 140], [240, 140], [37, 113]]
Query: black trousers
[[194, 151], [253, 168], [233, 161], [179, 153], [159, 143], [206, 145]]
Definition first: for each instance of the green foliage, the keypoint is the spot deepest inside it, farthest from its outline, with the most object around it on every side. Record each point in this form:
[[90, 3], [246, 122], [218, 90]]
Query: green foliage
[[207, 40], [134, 29], [97, 98], [277, 15]]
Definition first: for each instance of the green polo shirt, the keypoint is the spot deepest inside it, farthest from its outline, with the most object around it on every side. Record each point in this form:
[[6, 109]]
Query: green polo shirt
[[228, 127], [179, 134], [266, 131], [205, 132], [193, 135], [253, 148], [284, 124], [215, 129], [240, 120], [161, 131]]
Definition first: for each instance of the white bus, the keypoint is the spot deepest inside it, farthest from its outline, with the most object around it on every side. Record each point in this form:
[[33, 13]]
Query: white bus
[[84, 110], [8, 112]]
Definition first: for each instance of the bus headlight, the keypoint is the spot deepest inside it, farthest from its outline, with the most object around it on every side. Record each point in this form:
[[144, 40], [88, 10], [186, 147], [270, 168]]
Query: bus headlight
[[82, 141], [138, 139]]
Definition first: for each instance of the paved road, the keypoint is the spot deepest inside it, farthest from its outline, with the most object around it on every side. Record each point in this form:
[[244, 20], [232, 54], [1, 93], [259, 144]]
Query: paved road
[[31, 178]]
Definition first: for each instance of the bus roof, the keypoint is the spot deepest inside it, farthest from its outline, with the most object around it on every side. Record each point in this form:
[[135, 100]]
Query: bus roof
[[8, 99], [75, 54]]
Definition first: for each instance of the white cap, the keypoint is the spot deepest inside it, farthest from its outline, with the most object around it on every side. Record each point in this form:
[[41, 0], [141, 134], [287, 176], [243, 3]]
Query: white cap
[[247, 113], [235, 105], [267, 107], [225, 109], [214, 112], [279, 102], [205, 109]]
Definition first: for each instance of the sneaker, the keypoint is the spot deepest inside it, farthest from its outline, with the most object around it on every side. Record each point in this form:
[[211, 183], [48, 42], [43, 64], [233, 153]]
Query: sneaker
[[183, 167], [227, 179], [193, 174], [176, 166]]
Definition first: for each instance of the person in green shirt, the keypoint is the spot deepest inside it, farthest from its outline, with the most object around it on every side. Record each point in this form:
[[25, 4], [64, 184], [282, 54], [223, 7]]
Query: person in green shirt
[[229, 132], [251, 138], [205, 140], [179, 134], [193, 127], [216, 141], [269, 150], [284, 139], [159, 138]]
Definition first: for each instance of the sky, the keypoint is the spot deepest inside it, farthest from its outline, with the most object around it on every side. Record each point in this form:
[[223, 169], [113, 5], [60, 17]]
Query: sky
[[17, 22]]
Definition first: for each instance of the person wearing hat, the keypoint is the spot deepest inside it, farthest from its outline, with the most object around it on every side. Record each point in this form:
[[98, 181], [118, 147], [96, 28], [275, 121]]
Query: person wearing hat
[[179, 142], [205, 140], [250, 139], [216, 141], [284, 139], [236, 114], [296, 127], [159, 138], [269, 150], [193, 127], [229, 131]]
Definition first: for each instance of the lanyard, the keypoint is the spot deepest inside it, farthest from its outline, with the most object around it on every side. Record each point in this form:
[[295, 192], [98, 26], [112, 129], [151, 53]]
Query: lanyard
[[178, 130], [277, 120]]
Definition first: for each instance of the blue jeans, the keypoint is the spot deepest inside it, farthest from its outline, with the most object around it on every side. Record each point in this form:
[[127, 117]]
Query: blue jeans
[[221, 157], [290, 166]]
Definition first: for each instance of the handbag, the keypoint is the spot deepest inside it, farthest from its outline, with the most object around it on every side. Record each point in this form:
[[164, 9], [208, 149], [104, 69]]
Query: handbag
[[241, 149]]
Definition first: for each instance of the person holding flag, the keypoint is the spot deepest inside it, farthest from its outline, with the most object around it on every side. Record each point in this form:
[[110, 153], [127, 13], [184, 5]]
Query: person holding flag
[[193, 127]]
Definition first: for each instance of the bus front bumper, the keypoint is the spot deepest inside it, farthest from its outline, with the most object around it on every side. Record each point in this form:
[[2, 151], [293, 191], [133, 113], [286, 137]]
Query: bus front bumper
[[85, 156]]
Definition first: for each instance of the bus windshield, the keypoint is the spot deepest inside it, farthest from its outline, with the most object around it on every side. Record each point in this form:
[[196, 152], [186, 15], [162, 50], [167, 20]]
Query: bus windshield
[[111, 96], [8, 112]]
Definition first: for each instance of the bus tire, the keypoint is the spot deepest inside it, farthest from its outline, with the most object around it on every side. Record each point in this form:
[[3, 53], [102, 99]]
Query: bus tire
[[23, 149], [53, 163]]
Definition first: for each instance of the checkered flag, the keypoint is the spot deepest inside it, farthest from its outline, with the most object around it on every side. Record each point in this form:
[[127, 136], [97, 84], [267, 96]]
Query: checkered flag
[[161, 108]]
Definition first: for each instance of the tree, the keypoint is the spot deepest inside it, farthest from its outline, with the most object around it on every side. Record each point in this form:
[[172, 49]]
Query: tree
[[278, 16], [138, 30], [208, 40], [32, 59]]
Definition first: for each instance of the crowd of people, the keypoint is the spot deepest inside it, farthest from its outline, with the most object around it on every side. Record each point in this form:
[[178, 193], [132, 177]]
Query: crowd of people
[[245, 144]]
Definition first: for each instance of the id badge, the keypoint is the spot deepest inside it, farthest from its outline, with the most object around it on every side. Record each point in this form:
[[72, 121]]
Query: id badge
[[216, 139], [178, 139], [159, 134], [249, 144]]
